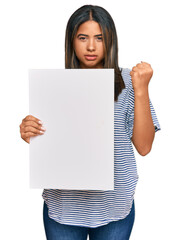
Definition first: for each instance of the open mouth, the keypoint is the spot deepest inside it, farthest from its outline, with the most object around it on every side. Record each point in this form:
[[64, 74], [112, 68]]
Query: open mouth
[[90, 57]]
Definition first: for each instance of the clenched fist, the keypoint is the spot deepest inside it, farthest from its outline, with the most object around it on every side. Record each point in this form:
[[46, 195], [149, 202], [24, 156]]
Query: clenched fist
[[141, 75], [31, 126]]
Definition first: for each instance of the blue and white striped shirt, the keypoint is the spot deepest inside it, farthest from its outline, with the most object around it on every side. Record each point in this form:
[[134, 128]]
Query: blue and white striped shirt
[[97, 208]]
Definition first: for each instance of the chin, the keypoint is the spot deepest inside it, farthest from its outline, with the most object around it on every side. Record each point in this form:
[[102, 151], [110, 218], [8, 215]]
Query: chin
[[94, 65], [91, 64]]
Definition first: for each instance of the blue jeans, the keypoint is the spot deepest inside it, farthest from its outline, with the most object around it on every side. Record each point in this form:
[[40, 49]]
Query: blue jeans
[[116, 230]]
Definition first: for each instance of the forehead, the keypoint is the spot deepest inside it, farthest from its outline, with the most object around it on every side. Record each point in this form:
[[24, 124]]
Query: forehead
[[90, 27]]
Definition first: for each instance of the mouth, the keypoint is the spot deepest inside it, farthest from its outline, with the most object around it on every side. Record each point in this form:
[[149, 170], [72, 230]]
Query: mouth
[[90, 57]]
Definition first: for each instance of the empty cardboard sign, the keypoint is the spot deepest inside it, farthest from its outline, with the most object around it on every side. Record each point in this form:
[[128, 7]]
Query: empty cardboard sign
[[76, 107]]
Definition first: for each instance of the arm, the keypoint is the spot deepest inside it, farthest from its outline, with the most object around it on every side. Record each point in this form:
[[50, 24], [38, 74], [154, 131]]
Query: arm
[[143, 130]]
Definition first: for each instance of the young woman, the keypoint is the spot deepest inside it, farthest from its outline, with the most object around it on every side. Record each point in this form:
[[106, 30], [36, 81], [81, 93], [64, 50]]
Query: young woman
[[91, 42]]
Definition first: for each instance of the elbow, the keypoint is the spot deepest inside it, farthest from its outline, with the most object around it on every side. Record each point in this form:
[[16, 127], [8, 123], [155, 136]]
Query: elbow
[[144, 146], [145, 150]]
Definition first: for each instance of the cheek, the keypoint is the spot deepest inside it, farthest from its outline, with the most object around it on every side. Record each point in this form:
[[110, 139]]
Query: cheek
[[78, 53], [102, 51], [78, 49]]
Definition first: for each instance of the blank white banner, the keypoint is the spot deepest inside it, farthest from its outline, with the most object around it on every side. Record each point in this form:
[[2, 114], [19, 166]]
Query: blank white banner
[[76, 107]]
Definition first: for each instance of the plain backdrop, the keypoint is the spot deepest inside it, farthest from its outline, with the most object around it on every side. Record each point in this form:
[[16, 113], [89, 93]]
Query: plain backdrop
[[32, 36]]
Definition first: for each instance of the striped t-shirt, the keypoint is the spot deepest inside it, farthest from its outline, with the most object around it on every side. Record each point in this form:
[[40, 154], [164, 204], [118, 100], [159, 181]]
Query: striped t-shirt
[[94, 208]]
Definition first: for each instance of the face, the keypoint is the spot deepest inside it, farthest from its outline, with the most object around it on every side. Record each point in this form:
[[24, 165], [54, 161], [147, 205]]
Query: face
[[88, 45]]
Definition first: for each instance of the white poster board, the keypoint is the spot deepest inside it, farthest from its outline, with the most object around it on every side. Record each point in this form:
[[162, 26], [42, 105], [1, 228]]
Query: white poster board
[[76, 107]]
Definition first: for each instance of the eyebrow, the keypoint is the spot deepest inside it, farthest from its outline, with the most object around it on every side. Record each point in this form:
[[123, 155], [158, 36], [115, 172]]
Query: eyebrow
[[98, 35]]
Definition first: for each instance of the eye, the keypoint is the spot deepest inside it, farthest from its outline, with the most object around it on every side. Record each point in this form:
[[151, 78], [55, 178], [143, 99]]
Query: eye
[[99, 39], [82, 39]]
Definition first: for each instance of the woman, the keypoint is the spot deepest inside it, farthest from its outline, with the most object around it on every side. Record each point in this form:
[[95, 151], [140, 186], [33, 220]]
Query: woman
[[91, 42]]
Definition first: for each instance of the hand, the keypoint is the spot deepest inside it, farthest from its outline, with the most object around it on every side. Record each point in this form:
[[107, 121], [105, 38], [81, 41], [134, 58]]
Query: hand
[[30, 127], [141, 75]]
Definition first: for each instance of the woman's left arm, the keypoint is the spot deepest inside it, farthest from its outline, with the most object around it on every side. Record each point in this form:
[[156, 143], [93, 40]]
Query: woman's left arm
[[143, 129]]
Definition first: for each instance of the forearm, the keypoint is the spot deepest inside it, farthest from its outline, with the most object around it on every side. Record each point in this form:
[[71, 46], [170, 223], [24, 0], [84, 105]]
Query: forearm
[[143, 130]]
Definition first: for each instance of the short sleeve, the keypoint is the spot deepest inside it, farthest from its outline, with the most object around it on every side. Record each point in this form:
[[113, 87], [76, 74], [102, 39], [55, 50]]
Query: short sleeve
[[130, 115], [154, 118]]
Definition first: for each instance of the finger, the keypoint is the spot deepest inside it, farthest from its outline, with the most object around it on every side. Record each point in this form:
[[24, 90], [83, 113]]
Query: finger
[[33, 124], [32, 130], [131, 73], [32, 118], [145, 63], [134, 69], [140, 65]]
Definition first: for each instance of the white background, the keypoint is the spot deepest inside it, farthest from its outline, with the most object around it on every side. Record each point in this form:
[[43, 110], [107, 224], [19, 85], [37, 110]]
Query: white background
[[32, 36]]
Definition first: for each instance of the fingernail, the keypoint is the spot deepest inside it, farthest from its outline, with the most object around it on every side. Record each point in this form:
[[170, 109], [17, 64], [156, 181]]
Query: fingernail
[[41, 132], [40, 122], [43, 128]]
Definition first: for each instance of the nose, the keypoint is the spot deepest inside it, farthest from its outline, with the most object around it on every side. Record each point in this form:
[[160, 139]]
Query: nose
[[91, 45]]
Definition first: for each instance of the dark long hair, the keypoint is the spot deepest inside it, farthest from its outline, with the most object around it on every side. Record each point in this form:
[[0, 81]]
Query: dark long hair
[[101, 16]]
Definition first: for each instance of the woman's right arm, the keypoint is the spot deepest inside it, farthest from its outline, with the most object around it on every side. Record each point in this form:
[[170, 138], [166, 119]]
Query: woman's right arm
[[31, 126]]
